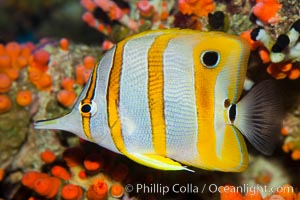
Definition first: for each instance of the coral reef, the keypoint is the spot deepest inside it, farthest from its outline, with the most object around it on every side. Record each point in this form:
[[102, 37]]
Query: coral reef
[[291, 129], [19, 100], [267, 11], [280, 55], [66, 177]]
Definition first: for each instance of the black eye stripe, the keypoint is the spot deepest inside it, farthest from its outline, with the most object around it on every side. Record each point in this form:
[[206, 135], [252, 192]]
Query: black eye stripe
[[210, 59], [86, 108]]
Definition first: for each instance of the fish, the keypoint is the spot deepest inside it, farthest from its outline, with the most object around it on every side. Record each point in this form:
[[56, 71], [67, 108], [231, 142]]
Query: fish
[[171, 98]]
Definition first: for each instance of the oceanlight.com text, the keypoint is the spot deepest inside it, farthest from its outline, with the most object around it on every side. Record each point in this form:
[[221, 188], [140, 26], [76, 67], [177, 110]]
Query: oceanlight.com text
[[189, 188]]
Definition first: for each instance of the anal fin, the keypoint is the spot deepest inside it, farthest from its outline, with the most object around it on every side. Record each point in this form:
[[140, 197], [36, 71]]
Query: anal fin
[[156, 161]]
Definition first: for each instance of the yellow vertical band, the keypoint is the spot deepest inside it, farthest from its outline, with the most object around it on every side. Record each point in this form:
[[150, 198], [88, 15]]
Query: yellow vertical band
[[113, 95], [87, 100], [86, 127], [205, 85], [91, 90], [156, 92], [205, 81]]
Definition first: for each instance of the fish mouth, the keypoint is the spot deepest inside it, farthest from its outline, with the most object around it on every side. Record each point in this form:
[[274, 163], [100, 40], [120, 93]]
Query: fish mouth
[[57, 123], [46, 124]]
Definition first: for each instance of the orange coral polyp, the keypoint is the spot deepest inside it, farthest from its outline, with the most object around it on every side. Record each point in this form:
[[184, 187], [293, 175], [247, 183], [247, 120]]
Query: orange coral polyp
[[228, 192], [5, 62], [86, 75], [98, 190], [253, 195], [286, 67], [67, 84], [24, 98], [197, 7], [88, 4], [5, 83], [106, 45], [294, 73], [88, 18], [12, 73], [2, 49], [1, 174], [21, 62], [5, 103], [45, 82], [264, 54], [295, 154], [285, 148], [47, 187], [93, 162], [66, 98], [82, 175], [26, 52], [79, 71], [89, 62], [42, 57], [284, 131], [64, 44], [60, 172], [71, 192], [40, 67], [48, 156], [266, 10], [286, 191], [274, 69], [117, 190], [13, 49], [30, 177]]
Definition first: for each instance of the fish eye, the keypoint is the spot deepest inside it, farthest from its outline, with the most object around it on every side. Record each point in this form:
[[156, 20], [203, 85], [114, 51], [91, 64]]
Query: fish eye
[[210, 59], [88, 108]]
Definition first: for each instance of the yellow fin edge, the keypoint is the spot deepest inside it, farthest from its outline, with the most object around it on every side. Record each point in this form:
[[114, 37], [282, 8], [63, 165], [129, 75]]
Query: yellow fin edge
[[157, 162]]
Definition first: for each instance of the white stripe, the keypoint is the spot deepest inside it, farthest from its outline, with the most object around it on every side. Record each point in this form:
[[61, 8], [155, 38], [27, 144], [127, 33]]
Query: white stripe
[[221, 94], [99, 124], [238, 79], [134, 108], [179, 98], [239, 142]]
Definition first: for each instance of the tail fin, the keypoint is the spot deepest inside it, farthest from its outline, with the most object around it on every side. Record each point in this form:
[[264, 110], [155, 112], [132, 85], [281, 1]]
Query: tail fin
[[259, 117]]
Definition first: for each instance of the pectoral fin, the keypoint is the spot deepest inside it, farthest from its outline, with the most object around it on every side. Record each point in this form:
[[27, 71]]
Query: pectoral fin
[[259, 117], [156, 161]]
